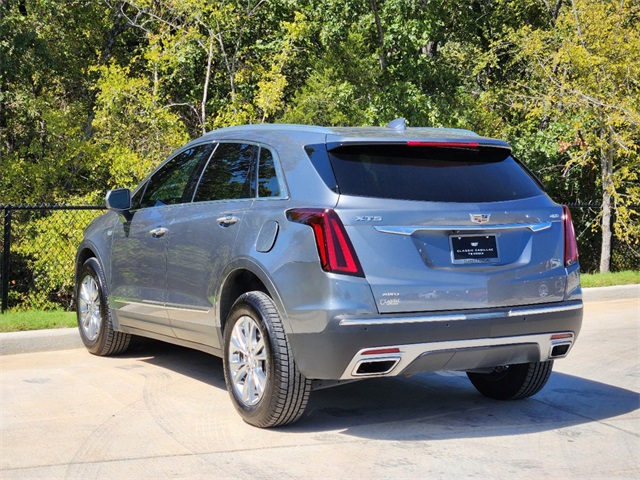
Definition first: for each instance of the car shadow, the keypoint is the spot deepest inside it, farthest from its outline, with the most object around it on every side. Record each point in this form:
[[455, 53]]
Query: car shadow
[[426, 406], [446, 405]]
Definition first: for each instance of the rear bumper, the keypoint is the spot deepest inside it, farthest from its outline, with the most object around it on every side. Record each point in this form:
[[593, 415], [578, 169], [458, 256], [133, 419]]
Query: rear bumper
[[359, 347]]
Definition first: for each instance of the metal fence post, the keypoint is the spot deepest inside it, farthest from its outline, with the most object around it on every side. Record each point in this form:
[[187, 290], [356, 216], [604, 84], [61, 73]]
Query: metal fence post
[[6, 253]]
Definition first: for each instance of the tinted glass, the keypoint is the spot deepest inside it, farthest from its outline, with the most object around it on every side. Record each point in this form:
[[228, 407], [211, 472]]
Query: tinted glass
[[267, 179], [228, 174], [431, 174], [174, 182]]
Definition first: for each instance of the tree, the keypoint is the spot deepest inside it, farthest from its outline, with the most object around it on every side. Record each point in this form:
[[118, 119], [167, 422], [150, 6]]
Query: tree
[[46, 99], [133, 129], [217, 63], [584, 81]]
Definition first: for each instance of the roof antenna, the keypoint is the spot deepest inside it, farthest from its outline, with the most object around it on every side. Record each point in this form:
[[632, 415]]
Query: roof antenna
[[399, 124]]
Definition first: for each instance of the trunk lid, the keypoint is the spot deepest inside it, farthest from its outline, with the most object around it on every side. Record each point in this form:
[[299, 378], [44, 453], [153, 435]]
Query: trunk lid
[[422, 259], [449, 226]]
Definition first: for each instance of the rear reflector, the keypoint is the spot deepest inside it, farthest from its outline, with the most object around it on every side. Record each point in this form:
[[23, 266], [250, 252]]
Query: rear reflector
[[561, 336], [444, 144], [381, 351], [334, 247], [570, 242]]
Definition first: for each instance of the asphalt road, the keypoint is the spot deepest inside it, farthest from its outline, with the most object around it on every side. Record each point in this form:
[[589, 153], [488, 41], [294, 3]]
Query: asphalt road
[[163, 412]]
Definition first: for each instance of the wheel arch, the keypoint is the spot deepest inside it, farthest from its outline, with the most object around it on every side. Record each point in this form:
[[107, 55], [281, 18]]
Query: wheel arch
[[242, 277], [88, 250], [83, 255]]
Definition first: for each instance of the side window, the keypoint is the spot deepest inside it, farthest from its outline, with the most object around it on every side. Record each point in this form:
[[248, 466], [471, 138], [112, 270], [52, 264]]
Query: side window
[[229, 174], [267, 179], [173, 183]]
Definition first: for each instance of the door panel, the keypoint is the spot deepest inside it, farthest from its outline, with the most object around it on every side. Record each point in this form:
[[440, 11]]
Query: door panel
[[139, 269], [139, 253], [200, 249], [203, 239]]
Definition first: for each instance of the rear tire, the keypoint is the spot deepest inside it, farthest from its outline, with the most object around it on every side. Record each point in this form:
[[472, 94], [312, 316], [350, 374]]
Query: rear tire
[[94, 315], [513, 382], [261, 375]]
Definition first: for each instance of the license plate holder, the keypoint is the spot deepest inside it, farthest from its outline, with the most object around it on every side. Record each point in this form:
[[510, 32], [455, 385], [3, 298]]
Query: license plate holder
[[473, 248]]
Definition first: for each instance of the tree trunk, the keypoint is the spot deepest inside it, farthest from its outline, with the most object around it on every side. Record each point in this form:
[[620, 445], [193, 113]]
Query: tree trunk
[[120, 24], [205, 87], [606, 161], [553, 9], [381, 56]]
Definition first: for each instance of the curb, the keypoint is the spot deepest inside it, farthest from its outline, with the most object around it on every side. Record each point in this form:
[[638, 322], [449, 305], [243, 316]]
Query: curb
[[603, 294], [68, 338], [39, 341]]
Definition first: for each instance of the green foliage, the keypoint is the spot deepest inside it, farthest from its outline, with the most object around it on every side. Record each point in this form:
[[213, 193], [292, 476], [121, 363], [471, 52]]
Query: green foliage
[[133, 129], [45, 97], [46, 247], [627, 277], [584, 82]]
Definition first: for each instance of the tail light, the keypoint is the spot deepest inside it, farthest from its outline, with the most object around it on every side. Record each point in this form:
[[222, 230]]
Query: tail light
[[570, 242], [334, 247]]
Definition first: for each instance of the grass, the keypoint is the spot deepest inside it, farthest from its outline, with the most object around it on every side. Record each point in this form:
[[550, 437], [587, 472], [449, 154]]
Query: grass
[[36, 320], [609, 279]]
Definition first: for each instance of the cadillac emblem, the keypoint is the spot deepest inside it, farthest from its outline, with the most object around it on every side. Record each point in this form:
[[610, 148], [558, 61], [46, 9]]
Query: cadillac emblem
[[479, 217]]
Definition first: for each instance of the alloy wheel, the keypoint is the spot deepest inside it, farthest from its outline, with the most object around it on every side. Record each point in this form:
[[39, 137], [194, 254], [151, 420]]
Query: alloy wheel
[[247, 357], [89, 307]]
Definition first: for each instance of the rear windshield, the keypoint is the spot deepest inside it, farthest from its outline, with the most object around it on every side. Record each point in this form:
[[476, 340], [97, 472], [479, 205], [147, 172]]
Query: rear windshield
[[431, 174]]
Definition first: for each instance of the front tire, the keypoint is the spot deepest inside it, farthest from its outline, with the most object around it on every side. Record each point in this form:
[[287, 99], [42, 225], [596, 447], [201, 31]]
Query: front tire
[[94, 316], [512, 382], [263, 381]]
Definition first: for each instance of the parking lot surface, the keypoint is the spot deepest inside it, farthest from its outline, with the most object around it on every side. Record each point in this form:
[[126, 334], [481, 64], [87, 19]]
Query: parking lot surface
[[163, 412]]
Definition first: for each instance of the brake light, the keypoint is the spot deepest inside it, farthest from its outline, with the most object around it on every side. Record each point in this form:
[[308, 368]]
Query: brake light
[[334, 247], [570, 241], [443, 144]]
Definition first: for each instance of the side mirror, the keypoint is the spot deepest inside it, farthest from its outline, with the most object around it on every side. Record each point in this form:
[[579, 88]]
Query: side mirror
[[119, 200]]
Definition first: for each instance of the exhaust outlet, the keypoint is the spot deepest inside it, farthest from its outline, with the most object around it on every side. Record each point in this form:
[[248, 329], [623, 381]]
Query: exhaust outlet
[[559, 350], [375, 366]]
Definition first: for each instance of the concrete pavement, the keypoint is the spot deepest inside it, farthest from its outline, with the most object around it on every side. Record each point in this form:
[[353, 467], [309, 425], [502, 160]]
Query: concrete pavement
[[163, 412]]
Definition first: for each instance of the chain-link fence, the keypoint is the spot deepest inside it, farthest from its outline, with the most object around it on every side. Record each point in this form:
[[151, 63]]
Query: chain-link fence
[[38, 252], [39, 246], [586, 220]]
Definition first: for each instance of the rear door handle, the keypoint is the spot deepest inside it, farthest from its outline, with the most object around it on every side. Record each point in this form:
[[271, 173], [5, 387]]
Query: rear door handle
[[158, 232], [227, 221]]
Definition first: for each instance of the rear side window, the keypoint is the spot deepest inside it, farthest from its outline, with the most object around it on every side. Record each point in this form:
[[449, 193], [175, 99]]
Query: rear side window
[[431, 174], [267, 178], [228, 175]]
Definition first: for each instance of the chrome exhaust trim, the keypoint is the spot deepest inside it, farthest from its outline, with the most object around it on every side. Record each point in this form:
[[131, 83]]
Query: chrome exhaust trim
[[372, 367], [560, 349]]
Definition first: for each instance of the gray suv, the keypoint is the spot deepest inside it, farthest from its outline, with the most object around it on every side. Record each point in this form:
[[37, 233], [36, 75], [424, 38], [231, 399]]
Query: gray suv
[[307, 256]]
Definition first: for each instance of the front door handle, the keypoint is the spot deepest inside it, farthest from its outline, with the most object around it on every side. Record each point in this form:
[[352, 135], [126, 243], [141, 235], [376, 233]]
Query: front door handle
[[158, 232], [227, 221]]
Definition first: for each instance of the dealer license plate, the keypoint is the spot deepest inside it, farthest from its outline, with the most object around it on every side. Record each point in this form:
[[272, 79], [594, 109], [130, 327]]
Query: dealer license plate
[[473, 248]]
